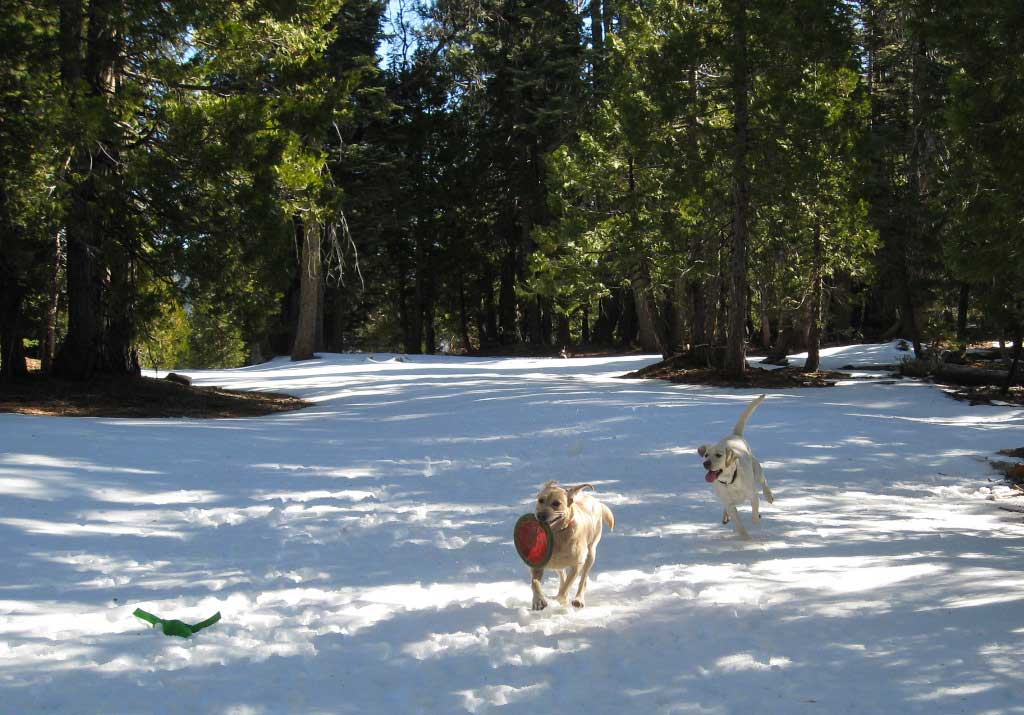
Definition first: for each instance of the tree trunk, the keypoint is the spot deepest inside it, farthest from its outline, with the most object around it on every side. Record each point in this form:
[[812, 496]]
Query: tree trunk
[[309, 291], [98, 268], [319, 340], [735, 363], [490, 311], [814, 322], [609, 18], [918, 183], [120, 355], [961, 315], [700, 339], [585, 325], [429, 328], [564, 334], [507, 299], [608, 310], [531, 311], [627, 327], [677, 316], [647, 331], [49, 342], [467, 346], [414, 338], [12, 343], [597, 42], [766, 323], [1011, 376], [783, 342]]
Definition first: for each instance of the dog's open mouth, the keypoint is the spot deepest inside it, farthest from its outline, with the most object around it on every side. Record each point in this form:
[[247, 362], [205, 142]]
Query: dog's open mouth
[[712, 476]]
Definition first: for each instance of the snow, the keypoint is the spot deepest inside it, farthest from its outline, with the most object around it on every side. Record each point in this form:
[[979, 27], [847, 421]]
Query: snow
[[360, 550]]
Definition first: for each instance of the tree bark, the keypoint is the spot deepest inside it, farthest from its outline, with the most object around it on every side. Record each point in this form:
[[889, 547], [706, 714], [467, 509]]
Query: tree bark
[[1011, 375], [100, 284], [677, 315], [597, 42], [309, 291], [12, 343], [49, 342], [429, 328], [643, 300], [467, 346], [608, 311], [735, 363], [490, 312], [814, 334], [507, 299], [766, 323], [564, 334], [627, 327], [414, 338], [961, 315]]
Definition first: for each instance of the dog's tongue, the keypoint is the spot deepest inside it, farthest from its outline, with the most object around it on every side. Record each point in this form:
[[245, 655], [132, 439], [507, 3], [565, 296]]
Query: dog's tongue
[[712, 476]]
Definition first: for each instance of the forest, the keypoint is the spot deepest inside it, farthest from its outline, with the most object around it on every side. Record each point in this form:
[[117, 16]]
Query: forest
[[212, 182]]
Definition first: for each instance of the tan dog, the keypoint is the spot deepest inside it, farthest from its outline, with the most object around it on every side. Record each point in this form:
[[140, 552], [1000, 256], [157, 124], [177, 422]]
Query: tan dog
[[575, 522], [735, 473]]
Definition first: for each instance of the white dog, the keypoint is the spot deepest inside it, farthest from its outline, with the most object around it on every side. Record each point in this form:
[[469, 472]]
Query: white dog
[[735, 473], [575, 520]]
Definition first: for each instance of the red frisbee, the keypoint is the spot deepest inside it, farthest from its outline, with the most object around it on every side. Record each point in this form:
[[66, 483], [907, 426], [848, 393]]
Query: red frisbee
[[534, 541]]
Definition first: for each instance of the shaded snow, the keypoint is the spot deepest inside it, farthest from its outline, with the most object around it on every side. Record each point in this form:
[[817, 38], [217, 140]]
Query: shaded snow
[[360, 550]]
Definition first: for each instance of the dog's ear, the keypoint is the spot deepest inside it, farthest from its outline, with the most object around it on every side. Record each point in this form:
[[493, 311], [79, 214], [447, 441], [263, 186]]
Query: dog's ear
[[571, 492], [702, 450], [730, 456]]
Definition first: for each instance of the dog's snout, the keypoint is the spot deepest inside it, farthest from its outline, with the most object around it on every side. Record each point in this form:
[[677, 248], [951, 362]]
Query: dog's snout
[[707, 464]]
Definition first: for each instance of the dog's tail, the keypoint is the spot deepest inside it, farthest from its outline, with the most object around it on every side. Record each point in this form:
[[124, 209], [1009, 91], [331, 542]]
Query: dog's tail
[[741, 423], [608, 517]]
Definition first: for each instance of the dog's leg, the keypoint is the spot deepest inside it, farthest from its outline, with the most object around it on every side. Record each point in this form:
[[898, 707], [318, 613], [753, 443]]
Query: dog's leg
[[578, 602], [755, 508], [725, 516], [764, 483], [734, 516], [566, 584], [539, 602]]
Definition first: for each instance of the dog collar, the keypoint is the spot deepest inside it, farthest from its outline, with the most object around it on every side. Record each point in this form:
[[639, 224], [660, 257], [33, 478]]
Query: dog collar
[[730, 482], [571, 524]]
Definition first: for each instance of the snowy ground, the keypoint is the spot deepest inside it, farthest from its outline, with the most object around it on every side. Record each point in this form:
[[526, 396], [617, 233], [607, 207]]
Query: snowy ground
[[360, 550]]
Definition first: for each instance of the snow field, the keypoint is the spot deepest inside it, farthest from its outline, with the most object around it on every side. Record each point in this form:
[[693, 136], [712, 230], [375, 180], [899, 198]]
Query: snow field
[[360, 550]]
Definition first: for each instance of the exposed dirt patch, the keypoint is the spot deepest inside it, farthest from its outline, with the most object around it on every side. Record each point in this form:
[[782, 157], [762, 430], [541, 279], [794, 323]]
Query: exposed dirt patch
[[681, 369], [1013, 471], [985, 395], [136, 397]]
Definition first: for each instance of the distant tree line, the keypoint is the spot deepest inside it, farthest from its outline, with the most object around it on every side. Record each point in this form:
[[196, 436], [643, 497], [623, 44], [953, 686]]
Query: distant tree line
[[210, 182]]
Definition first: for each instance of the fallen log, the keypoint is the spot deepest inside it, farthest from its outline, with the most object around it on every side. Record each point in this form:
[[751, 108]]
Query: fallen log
[[966, 375]]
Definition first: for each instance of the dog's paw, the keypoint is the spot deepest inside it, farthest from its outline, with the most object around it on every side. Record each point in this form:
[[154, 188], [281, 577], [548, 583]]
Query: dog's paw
[[578, 603], [725, 519], [539, 604], [756, 518]]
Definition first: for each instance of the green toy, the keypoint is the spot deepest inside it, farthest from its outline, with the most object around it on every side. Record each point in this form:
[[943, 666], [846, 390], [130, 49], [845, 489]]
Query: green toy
[[176, 628]]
